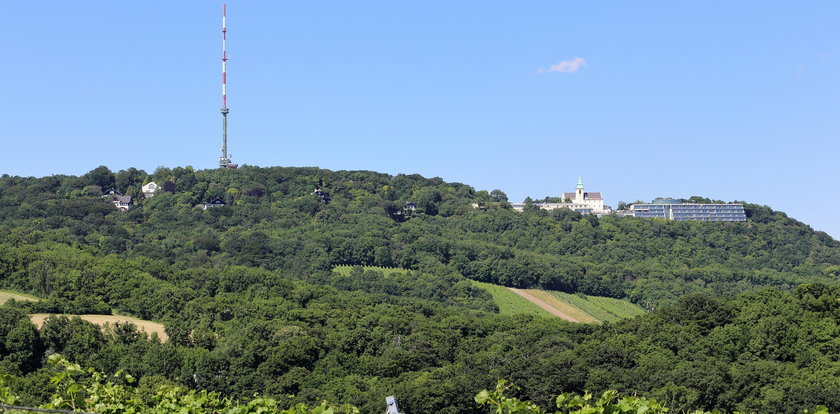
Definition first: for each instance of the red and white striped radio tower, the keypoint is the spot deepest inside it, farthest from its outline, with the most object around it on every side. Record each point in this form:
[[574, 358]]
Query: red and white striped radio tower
[[224, 160]]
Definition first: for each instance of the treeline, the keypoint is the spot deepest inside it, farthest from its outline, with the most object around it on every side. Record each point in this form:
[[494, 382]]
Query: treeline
[[77, 389], [609, 401], [74, 388], [765, 351]]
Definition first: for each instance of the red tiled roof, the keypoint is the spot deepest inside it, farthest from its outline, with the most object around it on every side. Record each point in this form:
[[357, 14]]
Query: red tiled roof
[[592, 196]]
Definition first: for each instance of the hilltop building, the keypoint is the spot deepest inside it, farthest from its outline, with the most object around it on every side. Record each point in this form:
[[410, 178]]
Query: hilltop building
[[593, 200], [668, 208], [581, 201], [677, 211]]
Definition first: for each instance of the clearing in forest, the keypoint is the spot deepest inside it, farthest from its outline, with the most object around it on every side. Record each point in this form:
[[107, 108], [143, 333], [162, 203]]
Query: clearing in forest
[[602, 308], [571, 307], [5, 295], [575, 307], [142, 325], [511, 303], [555, 306], [386, 271]]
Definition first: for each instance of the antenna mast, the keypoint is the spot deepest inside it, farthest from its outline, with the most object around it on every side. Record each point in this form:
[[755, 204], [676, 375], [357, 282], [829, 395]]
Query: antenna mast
[[224, 160]]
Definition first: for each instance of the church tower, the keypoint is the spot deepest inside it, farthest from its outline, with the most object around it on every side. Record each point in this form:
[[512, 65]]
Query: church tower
[[579, 191]]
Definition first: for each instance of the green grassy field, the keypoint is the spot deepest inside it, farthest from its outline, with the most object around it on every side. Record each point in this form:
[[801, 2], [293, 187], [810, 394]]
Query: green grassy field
[[601, 308], [581, 307], [571, 311], [345, 270], [510, 303], [621, 308], [5, 295]]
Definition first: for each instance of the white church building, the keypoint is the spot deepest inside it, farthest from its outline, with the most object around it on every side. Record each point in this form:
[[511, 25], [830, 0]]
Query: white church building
[[581, 201], [591, 200]]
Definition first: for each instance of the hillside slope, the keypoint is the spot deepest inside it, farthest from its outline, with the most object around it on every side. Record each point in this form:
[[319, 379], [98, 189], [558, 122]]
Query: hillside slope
[[272, 220], [251, 305]]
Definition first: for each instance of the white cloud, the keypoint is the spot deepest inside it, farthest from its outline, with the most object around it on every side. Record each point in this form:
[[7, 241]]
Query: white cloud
[[566, 66]]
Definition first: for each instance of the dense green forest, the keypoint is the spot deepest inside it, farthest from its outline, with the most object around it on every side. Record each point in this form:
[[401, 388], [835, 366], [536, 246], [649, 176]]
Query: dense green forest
[[746, 313]]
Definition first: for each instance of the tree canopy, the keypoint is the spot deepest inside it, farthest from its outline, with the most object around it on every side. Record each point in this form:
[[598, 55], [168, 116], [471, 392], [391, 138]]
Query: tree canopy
[[745, 313]]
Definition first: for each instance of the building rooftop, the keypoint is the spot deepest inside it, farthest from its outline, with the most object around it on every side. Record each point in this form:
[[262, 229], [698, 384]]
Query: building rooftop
[[586, 196]]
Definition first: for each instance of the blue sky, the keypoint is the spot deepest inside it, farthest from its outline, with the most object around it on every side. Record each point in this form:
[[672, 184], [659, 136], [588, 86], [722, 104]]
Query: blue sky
[[728, 100]]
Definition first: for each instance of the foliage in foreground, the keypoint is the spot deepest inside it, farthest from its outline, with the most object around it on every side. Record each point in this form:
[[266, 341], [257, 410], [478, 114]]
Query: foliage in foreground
[[89, 390], [77, 389], [610, 402]]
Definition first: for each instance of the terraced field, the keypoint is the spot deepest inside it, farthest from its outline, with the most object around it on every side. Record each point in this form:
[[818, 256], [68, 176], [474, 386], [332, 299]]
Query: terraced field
[[511, 303], [556, 306], [602, 308]]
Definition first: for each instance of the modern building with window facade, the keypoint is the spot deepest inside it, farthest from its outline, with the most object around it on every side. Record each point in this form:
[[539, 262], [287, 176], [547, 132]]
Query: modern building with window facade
[[696, 212]]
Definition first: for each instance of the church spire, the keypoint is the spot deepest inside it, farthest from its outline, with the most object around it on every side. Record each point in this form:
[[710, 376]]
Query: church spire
[[580, 184]]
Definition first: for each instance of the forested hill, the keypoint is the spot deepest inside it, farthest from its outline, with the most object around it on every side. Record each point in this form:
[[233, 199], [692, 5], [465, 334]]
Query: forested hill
[[273, 221], [250, 303]]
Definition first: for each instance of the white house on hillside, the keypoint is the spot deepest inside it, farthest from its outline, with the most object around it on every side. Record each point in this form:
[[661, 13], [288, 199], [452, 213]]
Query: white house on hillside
[[149, 189], [121, 202]]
